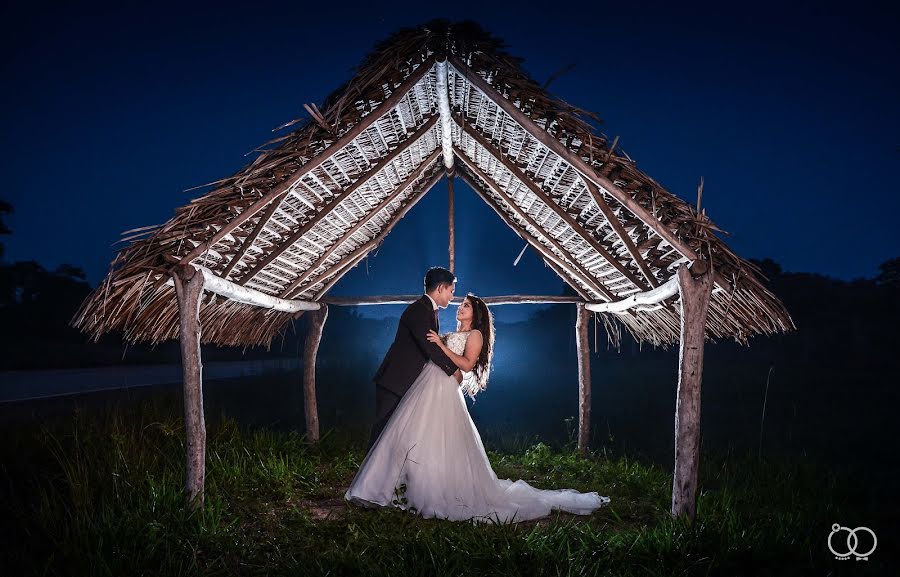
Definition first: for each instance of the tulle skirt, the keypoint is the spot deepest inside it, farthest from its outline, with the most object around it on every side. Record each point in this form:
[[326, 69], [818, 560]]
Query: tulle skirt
[[429, 458]]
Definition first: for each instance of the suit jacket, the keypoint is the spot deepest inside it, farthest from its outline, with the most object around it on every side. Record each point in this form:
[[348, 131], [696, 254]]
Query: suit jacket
[[411, 350]]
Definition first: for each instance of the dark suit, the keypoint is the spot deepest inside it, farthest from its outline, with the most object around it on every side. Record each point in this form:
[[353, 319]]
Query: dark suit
[[406, 358]]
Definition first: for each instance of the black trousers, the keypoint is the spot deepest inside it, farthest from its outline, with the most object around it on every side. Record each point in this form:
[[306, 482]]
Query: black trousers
[[385, 403]]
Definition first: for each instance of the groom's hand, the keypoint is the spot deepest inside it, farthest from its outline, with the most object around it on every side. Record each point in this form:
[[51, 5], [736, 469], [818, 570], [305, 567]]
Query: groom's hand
[[458, 376]]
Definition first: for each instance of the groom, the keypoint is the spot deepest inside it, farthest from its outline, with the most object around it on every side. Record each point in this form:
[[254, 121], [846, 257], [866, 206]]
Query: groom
[[410, 350]]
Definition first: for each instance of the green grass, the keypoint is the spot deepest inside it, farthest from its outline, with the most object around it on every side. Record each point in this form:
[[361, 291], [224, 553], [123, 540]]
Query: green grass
[[101, 494]]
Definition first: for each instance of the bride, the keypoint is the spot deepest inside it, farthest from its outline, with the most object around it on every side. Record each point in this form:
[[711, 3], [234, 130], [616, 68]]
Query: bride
[[430, 459]]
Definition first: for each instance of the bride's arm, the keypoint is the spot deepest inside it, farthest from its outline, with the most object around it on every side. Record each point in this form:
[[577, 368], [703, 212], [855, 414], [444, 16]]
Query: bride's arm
[[467, 360]]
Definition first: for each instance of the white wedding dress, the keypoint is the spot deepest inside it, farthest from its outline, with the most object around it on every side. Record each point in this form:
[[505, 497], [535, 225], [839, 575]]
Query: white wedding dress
[[430, 457]]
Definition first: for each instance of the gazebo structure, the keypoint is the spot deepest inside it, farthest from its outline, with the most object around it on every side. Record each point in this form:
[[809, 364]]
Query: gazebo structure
[[444, 99]]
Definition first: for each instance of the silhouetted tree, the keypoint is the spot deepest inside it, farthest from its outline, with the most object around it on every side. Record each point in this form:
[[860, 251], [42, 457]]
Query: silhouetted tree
[[890, 273], [20, 282], [770, 269], [70, 271]]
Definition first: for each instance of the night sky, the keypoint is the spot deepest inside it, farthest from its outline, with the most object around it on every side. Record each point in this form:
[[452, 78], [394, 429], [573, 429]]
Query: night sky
[[790, 114]]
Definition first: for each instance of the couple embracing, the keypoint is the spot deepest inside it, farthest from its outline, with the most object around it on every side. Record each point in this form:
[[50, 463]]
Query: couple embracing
[[425, 453]]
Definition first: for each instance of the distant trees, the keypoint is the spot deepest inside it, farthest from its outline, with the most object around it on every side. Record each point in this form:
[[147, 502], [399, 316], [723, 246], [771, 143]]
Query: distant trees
[[36, 305], [770, 269], [889, 274], [28, 282], [44, 300]]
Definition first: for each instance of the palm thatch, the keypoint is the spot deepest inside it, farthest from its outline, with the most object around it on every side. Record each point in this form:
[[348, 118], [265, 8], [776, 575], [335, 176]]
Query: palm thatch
[[318, 199]]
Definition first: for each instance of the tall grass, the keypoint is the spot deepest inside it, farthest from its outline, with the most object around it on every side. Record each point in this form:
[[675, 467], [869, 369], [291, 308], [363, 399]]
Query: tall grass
[[101, 494]]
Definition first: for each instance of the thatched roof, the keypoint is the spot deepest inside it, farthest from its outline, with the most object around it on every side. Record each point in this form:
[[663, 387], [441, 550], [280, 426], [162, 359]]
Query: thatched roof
[[316, 201]]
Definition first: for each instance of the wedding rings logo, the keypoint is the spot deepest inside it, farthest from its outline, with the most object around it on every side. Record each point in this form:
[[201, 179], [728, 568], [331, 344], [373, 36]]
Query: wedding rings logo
[[852, 543]]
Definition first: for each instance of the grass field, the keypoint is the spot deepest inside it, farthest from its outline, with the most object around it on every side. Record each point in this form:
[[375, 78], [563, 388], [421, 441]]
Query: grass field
[[99, 492]]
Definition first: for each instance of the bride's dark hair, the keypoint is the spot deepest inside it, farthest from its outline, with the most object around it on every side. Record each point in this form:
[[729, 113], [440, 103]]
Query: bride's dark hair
[[483, 320]]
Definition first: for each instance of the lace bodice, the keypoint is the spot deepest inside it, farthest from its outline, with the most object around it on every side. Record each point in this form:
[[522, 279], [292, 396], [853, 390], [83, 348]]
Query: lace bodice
[[456, 341]]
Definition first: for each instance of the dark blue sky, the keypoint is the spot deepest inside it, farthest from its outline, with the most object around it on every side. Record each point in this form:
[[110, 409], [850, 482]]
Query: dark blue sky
[[790, 114]]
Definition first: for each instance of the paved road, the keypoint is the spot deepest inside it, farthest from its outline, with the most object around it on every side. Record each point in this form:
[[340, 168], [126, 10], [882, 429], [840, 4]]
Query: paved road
[[24, 385]]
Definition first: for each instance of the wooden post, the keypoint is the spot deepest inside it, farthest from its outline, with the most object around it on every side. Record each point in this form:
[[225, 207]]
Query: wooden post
[[313, 338], [188, 290], [584, 378], [695, 294], [450, 222]]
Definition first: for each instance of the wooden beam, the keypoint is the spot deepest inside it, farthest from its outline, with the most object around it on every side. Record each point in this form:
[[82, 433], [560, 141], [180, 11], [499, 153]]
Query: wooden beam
[[572, 158], [583, 274], [695, 295], [280, 189], [310, 351], [451, 232], [647, 298], [245, 247], [545, 198], [407, 299], [622, 234], [215, 284], [189, 290], [584, 378], [442, 92], [404, 186], [360, 253], [326, 209]]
